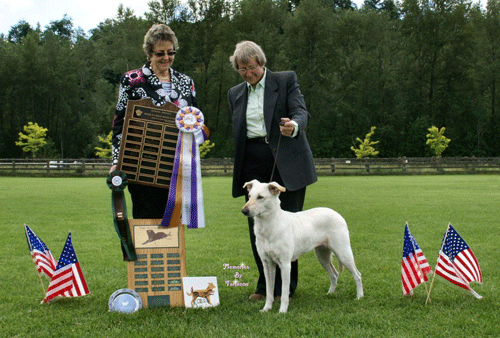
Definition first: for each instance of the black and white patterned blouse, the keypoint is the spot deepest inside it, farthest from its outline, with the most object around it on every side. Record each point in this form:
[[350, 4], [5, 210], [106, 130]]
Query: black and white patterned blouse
[[143, 83]]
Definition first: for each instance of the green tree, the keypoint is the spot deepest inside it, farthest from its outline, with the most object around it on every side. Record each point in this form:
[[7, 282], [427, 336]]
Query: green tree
[[33, 139], [205, 148], [366, 146], [437, 141], [436, 67], [163, 11], [309, 40], [62, 28], [19, 31], [119, 44], [488, 74], [106, 151]]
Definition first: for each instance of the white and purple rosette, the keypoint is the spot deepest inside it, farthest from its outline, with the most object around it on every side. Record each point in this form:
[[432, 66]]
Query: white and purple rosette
[[186, 173], [189, 120]]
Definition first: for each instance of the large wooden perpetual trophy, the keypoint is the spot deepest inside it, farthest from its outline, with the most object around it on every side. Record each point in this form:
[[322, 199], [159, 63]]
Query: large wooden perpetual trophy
[[147, 154], [157, 273], [149, 138]]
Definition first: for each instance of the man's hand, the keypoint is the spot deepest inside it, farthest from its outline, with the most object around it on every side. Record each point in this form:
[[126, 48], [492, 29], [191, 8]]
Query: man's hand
[[286, 127]]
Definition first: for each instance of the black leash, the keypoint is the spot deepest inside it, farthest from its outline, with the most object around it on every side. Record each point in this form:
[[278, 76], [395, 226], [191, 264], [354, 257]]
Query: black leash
[[276, 157]]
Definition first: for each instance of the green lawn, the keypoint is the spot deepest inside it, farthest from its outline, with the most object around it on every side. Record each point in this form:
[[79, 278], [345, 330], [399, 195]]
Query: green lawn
[[376, 209]]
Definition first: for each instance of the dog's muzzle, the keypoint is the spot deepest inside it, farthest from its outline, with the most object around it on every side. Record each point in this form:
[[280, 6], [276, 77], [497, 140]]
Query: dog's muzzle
[[245, 211]]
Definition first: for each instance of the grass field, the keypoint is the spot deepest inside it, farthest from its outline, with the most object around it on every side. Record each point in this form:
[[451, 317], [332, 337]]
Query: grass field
[[376, 209]]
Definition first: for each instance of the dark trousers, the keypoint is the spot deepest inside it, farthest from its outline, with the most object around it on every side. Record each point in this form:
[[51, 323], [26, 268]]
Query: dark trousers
[[148, 201], [259, 162]]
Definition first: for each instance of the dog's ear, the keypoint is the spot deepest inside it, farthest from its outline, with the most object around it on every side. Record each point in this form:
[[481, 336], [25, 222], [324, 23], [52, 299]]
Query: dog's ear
[[275, 188], [250, 184]]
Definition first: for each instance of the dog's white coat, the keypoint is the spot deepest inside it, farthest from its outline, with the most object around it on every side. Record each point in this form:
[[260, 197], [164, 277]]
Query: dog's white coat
[[282, 237]]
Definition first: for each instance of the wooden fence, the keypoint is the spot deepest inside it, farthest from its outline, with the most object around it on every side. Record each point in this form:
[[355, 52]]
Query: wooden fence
[[224, 167]]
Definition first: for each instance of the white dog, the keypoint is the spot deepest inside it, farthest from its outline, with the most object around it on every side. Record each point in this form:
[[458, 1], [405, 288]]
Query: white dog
[[282, 237]]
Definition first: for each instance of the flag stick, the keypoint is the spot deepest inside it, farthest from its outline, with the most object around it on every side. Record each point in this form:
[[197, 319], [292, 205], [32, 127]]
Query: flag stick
[[415, 250], [434, 275], [43, 287]]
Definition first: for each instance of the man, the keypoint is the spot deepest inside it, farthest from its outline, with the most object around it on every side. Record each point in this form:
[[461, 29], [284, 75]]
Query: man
[[269, 130]]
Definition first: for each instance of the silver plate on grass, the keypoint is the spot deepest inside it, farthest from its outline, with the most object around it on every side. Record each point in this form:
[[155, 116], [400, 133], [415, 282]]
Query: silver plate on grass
[[125, 300]]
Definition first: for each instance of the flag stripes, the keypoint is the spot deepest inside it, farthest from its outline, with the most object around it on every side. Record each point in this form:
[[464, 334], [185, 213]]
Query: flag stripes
[[457, 263], [446, 269], [68, 280], [410, 274], [40, 253], [414, 266], [467, 264], [423, 263], [45, 262]]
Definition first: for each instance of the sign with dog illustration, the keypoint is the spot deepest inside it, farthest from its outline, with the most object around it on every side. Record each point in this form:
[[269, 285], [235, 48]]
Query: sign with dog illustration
[[157, 273], [153, 237], [200, 292]]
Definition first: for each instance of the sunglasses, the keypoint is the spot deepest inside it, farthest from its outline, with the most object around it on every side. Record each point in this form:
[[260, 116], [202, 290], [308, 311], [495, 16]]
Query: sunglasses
[[161, 54]]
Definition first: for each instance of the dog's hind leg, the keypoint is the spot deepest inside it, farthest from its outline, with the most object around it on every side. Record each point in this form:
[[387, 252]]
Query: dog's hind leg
[[347, 260], [324, 255]]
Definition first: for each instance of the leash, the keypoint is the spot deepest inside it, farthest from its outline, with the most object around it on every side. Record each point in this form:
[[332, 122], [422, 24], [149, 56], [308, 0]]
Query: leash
[[276, 157]]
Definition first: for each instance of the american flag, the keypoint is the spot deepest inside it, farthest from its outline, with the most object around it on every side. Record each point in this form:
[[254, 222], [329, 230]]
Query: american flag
[[456, 262], [67, 280], [42, 257], [414, 268]]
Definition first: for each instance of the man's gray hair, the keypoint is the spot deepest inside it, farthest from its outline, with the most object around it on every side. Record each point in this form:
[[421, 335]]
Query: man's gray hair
[[245, 51]]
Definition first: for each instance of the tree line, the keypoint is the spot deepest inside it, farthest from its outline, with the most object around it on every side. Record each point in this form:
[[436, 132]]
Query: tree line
[[401, 67]]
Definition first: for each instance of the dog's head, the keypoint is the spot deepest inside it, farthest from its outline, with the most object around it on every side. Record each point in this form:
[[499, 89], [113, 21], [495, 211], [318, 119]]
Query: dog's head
[[262, 198]]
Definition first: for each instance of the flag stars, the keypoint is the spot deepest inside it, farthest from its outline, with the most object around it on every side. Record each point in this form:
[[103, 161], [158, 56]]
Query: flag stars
[[68, 255], [453, 244]]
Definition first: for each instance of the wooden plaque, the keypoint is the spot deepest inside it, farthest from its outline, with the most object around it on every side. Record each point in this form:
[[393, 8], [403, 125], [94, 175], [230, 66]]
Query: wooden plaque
[[157, 273], [149, 139]]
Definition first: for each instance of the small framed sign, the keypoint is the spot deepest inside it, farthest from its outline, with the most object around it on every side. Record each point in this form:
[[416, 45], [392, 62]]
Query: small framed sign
[[200, 292]]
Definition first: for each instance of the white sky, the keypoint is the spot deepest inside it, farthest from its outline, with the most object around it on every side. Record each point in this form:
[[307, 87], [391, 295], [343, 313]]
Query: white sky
[[86, 14]]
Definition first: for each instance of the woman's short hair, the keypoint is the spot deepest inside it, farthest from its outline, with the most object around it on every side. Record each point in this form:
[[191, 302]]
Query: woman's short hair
[[158, 32], [245, 51]]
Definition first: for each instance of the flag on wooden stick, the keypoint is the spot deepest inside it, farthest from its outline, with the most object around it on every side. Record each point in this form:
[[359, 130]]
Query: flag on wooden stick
[[42, 257], [414, 267], [456, 262], [68, 280]]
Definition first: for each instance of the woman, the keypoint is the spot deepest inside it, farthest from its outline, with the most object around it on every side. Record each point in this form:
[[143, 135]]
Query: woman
[[159, 82]]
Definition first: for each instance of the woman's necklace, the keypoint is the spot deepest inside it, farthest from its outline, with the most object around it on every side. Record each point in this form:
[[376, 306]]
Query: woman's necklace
[[164, 77]]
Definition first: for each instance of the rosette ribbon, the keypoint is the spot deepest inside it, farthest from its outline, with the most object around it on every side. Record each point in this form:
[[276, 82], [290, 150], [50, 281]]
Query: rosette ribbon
[[117, 181], [185, 197]]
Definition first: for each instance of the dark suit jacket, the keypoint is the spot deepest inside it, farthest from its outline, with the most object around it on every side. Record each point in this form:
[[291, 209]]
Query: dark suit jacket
[[282, 98]]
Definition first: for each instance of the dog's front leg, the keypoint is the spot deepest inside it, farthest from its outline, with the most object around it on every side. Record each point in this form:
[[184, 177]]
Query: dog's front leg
[[269, 274], [285, 286]]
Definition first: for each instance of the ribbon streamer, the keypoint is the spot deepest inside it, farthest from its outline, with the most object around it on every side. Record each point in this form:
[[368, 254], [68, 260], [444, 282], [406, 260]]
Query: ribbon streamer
[[185, 197], [117, 181]]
